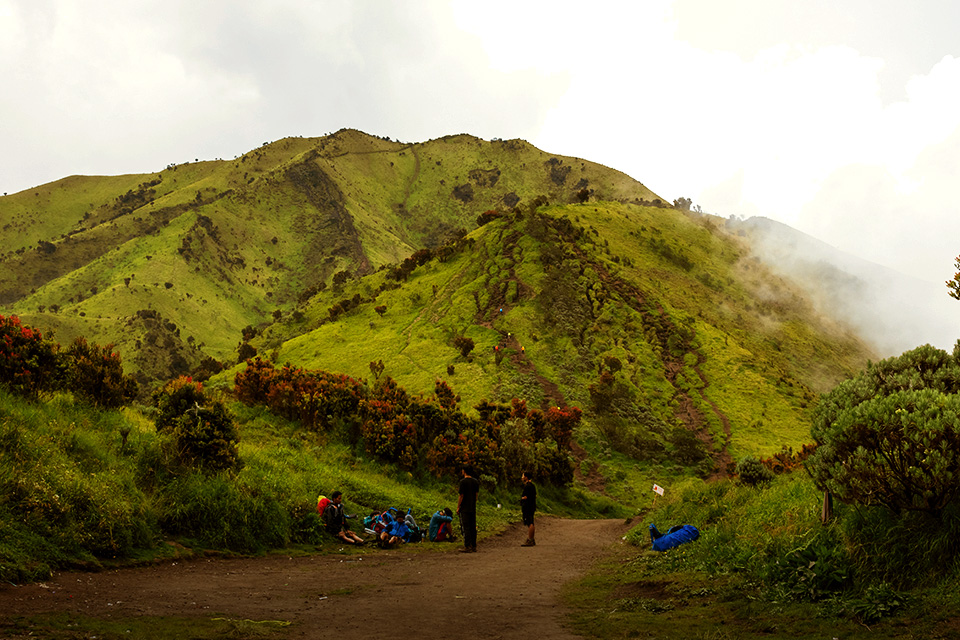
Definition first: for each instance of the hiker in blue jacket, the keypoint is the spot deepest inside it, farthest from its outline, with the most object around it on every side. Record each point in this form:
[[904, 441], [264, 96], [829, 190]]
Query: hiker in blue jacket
[[440, 526], [395, 532]]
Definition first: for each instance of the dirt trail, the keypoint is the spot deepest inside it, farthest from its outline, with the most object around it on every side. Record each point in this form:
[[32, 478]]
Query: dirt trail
[[503, 591]]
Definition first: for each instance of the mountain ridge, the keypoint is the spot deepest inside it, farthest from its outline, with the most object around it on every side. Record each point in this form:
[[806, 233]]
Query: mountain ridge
[[598, 292]]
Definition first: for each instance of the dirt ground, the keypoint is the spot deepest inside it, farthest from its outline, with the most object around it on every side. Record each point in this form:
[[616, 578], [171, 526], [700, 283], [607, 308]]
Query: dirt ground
[[427, 590]]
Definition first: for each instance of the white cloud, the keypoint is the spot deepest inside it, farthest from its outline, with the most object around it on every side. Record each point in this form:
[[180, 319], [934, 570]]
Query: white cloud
[[829, 117]]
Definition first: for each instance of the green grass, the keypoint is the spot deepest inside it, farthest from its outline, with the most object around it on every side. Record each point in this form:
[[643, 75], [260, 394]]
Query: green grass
[[292, 213], [65, 626], [77, 493], [765, 565]]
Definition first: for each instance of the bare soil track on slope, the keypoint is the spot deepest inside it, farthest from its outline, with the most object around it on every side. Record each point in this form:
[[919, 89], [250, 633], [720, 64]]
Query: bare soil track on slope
[[502, 591]]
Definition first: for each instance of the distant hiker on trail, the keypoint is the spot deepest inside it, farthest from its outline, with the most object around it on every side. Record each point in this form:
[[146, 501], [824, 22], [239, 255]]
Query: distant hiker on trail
[[441, 527], [467, 508], [528, 504], [336, 521]]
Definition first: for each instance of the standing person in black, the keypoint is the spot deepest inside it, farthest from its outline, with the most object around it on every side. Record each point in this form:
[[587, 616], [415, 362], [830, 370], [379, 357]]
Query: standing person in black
[[528, 504], [467, 508]]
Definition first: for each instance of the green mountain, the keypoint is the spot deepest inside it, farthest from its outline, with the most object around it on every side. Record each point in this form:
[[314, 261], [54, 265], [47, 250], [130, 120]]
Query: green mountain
[[576, 284]]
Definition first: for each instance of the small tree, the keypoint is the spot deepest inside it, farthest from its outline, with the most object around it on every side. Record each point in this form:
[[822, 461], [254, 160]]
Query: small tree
[[382, 309], [95, 373], [201, 432], [953, 285], [376, 368], [464, 345], [891, 436]]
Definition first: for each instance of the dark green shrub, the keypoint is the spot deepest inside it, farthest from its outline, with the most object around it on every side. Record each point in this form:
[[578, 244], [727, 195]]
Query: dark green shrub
[[891, 435], [175, 399], [752, 472], [207, 437], [95, 373], [202, 432], [464, 345]]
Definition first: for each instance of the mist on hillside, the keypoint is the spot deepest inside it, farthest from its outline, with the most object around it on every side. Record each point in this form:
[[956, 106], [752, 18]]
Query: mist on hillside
[[893, 312]]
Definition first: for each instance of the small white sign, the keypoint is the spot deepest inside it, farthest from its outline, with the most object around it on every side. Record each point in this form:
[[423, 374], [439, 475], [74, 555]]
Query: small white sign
[[657, 489]]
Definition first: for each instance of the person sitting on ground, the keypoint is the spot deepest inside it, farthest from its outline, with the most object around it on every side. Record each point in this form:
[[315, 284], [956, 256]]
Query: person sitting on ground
[[395, 532], [336, 521], [441, 527]]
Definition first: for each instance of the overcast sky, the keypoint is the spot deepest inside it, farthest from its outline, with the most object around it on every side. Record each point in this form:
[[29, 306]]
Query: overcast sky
[[839, 118]]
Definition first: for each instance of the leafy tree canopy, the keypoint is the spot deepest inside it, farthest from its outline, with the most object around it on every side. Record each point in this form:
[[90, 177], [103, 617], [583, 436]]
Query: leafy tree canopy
[[891, 435]]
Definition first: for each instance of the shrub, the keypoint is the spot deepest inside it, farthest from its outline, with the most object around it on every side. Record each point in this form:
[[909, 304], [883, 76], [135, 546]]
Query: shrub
[[95, 373], [891, 435], [245, 351], [252, 385], [464, 345], [487, 216], [787, 459], [202, 432], [29, 363], [752, 472], [417, 433], [175, 399]]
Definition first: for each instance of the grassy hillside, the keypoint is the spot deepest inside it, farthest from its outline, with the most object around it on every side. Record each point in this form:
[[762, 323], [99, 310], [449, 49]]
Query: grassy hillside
[[684, 351], [575, 285], [658, 311], [172, 266], [90, 488]]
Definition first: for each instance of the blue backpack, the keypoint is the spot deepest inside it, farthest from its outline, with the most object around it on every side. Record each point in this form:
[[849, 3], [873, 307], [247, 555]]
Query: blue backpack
[[676, 536]]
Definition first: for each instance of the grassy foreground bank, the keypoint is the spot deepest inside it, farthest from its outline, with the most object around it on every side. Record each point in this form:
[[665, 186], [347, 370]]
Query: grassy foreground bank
[[765, 566]]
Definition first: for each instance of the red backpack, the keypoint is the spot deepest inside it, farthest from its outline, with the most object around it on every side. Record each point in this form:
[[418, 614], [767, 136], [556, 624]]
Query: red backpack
[[322, 503]]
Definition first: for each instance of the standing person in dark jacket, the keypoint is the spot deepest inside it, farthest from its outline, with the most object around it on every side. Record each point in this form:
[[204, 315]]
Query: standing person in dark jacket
[[528, 504], [467, 508]]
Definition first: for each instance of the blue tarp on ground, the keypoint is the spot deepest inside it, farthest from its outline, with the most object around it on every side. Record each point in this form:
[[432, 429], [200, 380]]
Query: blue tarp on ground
[[680, 534]]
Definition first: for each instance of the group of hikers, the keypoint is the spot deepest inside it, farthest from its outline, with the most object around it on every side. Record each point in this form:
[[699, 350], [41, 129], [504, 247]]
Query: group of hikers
[[393, 526]]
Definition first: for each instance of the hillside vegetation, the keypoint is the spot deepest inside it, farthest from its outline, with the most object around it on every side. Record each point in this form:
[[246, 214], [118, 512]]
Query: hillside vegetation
[[418, 306], [495, 267], [172, 266]]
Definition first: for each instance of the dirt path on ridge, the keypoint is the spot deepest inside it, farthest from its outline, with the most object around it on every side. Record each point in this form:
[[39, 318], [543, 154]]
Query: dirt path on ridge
[[503, 591]]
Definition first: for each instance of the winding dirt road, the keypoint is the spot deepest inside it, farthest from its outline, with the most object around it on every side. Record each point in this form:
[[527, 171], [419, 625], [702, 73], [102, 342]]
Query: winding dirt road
[[503, 591]]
